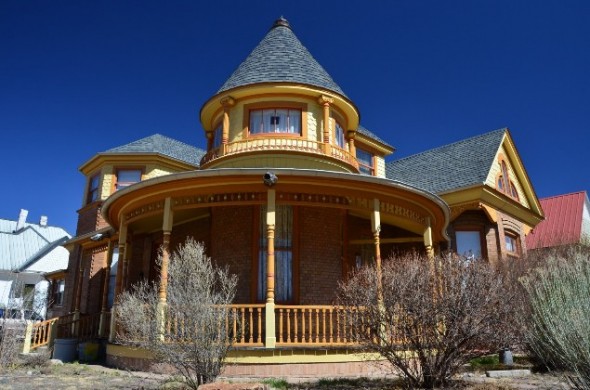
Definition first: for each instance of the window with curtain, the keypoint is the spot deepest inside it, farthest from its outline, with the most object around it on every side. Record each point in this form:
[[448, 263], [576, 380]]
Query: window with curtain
[[275, 120], [113, 278], [340, 140], [283, 254]]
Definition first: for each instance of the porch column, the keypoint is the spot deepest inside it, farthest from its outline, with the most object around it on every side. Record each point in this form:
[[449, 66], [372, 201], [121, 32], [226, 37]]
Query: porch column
[[227, 103], [325, 101], [118, 278], [163, 288], [105, 290], [428, 240], [271, 339], [350, 134], [376, 229]]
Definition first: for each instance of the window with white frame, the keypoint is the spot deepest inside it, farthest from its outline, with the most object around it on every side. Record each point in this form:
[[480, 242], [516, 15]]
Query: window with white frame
[[275, 120]]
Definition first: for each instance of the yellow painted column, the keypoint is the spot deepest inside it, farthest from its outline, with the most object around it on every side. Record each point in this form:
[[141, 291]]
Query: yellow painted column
[[227, 103], [163, 287], [105, 290], [428, 244], [350, 134], [376, 229], [271, 339], [325, 102], [118, 278]]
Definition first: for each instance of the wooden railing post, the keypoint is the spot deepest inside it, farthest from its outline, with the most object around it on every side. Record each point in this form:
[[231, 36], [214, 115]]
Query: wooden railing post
[[28, 337]]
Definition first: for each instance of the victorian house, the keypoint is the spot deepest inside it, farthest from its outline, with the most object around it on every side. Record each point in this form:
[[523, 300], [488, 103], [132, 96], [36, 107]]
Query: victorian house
[[292, 194]]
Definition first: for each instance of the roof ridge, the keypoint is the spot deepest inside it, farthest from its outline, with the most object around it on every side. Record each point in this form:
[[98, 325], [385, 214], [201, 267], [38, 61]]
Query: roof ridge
[[489, 133], [564, 195]]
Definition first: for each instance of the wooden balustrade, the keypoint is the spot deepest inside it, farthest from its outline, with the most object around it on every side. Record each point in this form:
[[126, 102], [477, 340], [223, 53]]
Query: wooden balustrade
[[255, 144], [84, 327], [315, 325], [242, 323], [43, 333]]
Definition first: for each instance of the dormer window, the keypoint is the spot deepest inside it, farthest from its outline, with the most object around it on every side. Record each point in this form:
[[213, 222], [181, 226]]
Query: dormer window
[[275, 120]]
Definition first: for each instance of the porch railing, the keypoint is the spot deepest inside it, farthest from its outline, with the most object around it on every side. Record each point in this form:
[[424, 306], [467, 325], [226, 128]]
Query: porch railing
[[319, 325], [84, 327]]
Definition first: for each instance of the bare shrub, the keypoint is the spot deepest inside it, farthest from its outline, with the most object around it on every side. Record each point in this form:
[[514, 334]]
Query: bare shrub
[[559, 322], [435, 315], [192, 339]]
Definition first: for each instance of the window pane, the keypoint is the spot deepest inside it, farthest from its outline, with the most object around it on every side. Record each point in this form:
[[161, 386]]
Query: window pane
[[339, 135], [280, 120], [127, 177], [294, 122], [510, 243], [365, 160], [267, 121], [217, 135], [256, 122], [468, 244]]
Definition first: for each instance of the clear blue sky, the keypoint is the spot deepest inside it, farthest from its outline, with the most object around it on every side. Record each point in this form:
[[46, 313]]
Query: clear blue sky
[[80, 77]]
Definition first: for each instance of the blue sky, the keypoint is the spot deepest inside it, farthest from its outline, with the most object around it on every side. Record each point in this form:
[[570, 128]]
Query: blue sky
[[80, 77]]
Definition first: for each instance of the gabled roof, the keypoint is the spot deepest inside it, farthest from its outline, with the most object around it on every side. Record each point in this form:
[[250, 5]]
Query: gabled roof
[[163, 145], [281, 57], [461, 164], [563, 221], [23, 248]]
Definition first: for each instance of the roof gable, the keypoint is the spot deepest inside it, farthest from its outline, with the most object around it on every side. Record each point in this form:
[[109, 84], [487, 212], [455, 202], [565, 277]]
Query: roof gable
[[281, 57], [563, 222], [163, 145], [461, 164]]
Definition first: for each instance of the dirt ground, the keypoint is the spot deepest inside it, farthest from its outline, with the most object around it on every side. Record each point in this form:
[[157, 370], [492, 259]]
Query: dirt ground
[[85, 377]]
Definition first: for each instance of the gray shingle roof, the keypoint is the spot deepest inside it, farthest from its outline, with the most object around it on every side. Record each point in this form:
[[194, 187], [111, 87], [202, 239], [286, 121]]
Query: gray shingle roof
[[460, 164], [371, 135], [281, 57], [163, 145]]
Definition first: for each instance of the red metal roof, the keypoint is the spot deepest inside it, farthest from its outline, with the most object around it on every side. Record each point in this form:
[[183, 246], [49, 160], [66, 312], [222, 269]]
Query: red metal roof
[[563, 221]]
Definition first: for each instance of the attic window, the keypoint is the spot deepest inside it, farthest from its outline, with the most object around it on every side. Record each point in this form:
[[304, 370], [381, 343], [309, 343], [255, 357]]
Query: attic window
[[504, 184], [366, 162]]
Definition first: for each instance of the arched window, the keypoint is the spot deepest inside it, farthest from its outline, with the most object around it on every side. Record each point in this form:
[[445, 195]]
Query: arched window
[[503, 182]]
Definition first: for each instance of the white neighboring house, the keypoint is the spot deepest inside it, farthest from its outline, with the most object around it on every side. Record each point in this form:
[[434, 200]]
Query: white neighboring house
[[28, 252]]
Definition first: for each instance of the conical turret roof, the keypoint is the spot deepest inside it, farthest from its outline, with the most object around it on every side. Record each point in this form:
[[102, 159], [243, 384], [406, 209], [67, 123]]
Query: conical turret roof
[[281, 57]]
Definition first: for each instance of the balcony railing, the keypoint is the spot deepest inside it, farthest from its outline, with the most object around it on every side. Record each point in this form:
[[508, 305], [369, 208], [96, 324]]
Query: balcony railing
[[279, 144]]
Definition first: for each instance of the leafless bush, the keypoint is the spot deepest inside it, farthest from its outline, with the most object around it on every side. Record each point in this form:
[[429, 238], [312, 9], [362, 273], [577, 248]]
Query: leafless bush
[[192, 338], [559, 322], [435, 315]]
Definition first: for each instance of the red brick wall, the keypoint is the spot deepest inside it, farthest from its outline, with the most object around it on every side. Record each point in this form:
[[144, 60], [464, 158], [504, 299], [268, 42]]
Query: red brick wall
[[90, 219], [232, 238], [320, 254]]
